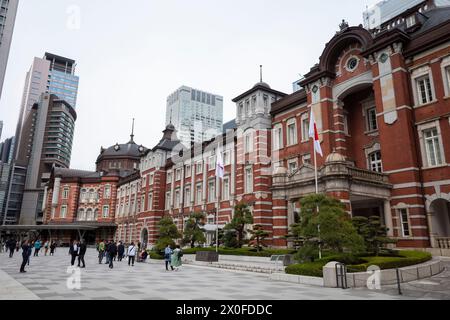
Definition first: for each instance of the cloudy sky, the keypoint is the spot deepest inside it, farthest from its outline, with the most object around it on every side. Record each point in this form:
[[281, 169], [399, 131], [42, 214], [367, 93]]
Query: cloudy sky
[[132, 54]]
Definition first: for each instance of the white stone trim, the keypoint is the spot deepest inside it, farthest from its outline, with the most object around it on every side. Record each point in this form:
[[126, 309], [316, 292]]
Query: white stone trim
[[446, 75], [402, 170], [415, 195], [406, 185]]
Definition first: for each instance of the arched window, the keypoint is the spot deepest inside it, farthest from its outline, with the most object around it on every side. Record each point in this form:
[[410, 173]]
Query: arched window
[[81, 215], [89, 215], [83, 194], [95, 215]]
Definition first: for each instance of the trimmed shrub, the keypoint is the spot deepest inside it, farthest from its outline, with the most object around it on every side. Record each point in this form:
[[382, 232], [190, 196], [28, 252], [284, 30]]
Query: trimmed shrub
[[242, 251], [396, 259]]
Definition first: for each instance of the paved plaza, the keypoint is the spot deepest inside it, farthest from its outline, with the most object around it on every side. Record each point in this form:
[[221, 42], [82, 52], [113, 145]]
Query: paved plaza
[[46, 278]]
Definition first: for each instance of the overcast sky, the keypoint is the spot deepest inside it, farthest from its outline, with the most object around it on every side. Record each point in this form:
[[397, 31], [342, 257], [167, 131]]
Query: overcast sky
[[132, 54]]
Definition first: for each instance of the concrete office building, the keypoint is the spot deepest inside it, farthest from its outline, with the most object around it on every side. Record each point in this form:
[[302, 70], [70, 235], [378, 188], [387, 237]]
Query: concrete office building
[[51, 74], [44, 133], [8, 11], [50, 126], [6, 157], [196, 115]]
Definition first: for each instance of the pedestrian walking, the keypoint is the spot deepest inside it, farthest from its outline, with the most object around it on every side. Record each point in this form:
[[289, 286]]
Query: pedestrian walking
[[131, 254], [108, 256], [25, 255], [73, 251], [120, 251], [81, 254], [46, 246], [52, 248], [168, 256], [12, 247], [112, 253], [37, 247], [176, 258], [101, 251], [30, 251]]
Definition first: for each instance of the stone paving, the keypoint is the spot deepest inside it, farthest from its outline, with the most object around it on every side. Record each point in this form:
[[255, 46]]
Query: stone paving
[[436, 287], [46, 279]]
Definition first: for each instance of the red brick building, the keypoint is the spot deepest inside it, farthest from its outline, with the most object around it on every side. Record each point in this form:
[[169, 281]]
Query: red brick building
[[381, 99]]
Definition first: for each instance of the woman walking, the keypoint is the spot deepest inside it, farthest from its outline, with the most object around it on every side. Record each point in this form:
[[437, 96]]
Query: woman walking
[[52, 248], [131, 254], [176, 258], [46, 245]]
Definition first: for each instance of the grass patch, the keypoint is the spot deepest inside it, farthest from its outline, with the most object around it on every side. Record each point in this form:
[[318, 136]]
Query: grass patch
[[397, 259]]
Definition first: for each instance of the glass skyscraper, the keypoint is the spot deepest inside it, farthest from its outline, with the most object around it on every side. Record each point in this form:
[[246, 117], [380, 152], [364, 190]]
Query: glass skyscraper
[[196, 115], [62, 80]]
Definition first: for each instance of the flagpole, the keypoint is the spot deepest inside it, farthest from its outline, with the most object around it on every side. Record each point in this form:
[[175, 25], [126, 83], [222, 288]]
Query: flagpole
[[314, 133], [217, 214]]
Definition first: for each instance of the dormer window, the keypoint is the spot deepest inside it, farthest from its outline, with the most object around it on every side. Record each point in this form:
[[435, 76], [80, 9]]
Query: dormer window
[[411, 21]]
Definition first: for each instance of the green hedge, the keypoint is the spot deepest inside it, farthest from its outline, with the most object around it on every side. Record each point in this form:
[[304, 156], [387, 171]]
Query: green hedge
[[398, 259], [402, 259], [241, 251]]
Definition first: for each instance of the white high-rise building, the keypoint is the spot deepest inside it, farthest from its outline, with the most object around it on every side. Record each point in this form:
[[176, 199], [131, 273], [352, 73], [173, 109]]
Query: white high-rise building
[[196, 115], [8, 11]]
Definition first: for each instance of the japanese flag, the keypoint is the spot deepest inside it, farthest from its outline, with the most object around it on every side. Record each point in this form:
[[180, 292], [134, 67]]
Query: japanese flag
[[313, 133], [219, 164]]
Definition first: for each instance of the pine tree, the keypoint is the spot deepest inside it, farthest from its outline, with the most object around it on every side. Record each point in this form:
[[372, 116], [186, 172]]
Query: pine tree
[[168, 232], [193, 231]]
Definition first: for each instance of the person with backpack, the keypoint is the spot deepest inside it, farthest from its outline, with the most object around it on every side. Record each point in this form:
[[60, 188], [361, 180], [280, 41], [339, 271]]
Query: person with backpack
[[37, 247], [101, 251], [176, 258], [131, 254], [167, 257]]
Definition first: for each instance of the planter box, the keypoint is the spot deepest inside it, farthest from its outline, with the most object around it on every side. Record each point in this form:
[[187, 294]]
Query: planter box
[[207, 256]]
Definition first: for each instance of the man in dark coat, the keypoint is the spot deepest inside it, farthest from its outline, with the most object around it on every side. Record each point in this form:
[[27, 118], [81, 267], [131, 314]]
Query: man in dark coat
[[112, 253], [83, 248], [12, 247], [26, 248], [73, 251], [120, 251]]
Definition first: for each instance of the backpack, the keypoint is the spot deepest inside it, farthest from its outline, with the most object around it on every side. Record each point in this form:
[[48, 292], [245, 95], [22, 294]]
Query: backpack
[[180, 254]]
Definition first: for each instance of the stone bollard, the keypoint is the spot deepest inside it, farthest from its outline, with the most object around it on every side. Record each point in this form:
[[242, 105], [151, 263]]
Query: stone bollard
[[329, 274]]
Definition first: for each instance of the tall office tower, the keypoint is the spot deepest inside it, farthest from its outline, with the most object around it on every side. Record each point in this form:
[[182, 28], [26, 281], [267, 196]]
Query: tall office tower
[[52, 74], [6, 157], [196, 115], [49, 128], [8, 11]]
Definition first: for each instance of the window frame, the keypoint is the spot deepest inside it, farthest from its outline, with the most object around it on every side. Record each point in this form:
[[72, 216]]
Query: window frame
[[225, 189], [402, 222], [107, 211], [418, 74], [289, 122], [248, 182], [305, 128], [61, 215], [211, 195], [277, 136], [375, 162], [426, 163], [150, 201]]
